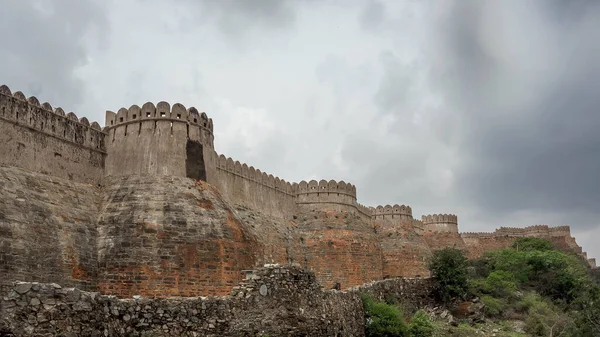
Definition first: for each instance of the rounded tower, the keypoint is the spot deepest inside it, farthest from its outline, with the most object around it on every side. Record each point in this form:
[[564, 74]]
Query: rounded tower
[[160, 139]]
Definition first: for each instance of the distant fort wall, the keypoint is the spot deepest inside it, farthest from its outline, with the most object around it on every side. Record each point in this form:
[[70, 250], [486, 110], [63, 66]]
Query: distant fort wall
[[160, 139], [440, 223], [329, 196], [38, 138], [247, 186]]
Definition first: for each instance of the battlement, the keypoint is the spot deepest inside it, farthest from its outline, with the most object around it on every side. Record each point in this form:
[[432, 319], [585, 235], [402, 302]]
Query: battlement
[[524, 231], [324, 186], [160, 111], [159, 139], [29, 113], [440, 223], [39, 138], [439, 218], [476, 235], [381, 212], [244, 171], [329, 195]]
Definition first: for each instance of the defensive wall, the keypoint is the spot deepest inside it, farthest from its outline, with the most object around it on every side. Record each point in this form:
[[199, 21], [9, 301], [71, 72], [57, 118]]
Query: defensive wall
[[503, 237], [160, 139], [245, 185], [276, 300], [38, 138], [147, 229]]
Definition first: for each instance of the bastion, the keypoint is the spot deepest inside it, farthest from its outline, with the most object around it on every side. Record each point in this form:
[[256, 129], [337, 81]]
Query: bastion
[[146, 206]]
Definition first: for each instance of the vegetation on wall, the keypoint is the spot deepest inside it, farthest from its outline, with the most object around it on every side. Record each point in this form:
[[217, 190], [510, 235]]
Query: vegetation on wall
[[547, 291]]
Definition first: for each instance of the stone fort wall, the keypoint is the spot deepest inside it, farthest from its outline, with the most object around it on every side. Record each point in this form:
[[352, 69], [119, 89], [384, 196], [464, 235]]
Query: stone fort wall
[[479, 243], [160, 139], [38, 138], [276, 300], [245, 185]]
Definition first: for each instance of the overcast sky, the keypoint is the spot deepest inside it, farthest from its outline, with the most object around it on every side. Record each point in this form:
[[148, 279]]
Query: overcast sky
[[486, 109]]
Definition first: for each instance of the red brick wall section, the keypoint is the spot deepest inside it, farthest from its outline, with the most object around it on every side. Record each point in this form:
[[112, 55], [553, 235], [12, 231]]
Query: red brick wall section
[[405, 253], [340, 248], [168, 236]]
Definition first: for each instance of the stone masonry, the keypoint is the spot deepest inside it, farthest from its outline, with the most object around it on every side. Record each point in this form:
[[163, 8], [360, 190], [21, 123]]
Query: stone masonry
[[277, 300], [146, 206]]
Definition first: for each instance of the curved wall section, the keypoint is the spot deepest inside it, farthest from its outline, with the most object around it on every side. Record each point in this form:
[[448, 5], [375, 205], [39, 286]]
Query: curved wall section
[[329, 196], [160, 139], [440, 223], [38, 138]]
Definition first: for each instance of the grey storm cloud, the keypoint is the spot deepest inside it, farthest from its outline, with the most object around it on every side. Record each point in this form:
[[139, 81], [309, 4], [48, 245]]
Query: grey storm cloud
[[43, 45], [486, 109], [520, 78]]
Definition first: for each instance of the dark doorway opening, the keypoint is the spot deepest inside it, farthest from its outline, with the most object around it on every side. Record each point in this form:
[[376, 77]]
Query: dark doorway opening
[[194, 161]]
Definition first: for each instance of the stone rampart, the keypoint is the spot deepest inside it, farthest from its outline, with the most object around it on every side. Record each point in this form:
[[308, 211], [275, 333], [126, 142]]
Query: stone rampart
[[275, 300], [440, 223], [329, 196], [47, 229], [245, 185], [161, 139], [39, 138], [399, 212]]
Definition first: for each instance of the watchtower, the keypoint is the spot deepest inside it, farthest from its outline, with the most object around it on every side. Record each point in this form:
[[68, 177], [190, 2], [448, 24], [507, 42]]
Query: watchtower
[[160, 139]]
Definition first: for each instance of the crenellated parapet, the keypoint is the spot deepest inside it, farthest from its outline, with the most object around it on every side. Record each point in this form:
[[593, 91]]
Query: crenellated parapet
[[329, 196], [160, 139], [42, 118], [251, 174], [477, 235], [391, 212], [161, 118], [440, 223], [314, 188], [524, 231]]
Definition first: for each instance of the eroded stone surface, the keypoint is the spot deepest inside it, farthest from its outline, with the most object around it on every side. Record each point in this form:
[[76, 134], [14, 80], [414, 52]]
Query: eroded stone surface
[[293, 304]]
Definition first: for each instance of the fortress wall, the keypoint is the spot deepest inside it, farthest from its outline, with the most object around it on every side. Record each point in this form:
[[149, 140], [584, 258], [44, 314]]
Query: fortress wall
[[271, 301], [161, 140], [41, 139], [393, 215], [405, 251], [47, 229], [329, 196], [244, 185], [441, 231], [161, 236], [340, 248], [446, 223]]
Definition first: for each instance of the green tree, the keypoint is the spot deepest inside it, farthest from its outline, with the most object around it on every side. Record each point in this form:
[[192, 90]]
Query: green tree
[[449, 268]]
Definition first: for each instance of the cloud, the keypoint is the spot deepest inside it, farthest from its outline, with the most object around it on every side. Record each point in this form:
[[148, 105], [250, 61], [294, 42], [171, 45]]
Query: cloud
[[44, 45], [519, 77], [483, 109]]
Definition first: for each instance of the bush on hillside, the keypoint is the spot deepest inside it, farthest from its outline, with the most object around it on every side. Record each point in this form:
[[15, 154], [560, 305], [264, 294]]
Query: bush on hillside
[[383, 320], [449, 268], [529, 244], [420, 325]]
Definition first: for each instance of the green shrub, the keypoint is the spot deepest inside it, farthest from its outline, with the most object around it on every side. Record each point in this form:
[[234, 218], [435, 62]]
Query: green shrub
[[494, 307], [449, 268], [529, 244], [500, 283], [383, 320], [420, 325]]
